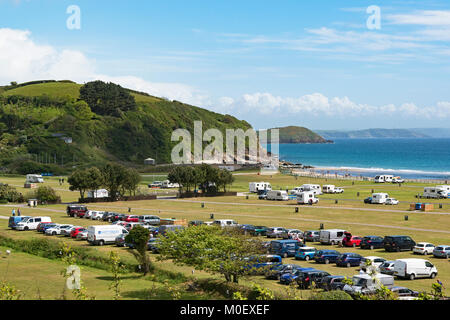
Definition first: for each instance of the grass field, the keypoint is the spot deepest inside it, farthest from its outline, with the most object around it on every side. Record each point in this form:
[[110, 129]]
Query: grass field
[[350, 213]]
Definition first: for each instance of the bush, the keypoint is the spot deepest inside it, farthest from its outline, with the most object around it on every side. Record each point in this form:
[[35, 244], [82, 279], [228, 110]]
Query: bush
[[331, 295], [10, 194], [44, 194]]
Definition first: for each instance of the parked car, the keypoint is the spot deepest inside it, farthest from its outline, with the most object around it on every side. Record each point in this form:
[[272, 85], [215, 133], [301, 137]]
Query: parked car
[[311, 235], [13, 221], [423, 248], [305, 253], [292, 234], [365, 284], [262, 194], [330, 282], [31, 223], [404, 292], [56, 230], [374, 261], [307, 278], [76, 210], [391, 201], [153, 245], [285, 248], [326, 256], [74, 233], [149, 219], [387, 267], [97, 215], [83, 235], [263, 263], [349, 260], [259, 231], [191, 223], [101, 235], [107, 216], [131, 225], [414, 268], [368, 200], [131, 218], [351, 241], [88, 214], [279, 270], [46, 226], [398, 243], [245, 228], [275, 232], [288, 278], [66, 231], [441, 251], [42, 225], [372, 242]]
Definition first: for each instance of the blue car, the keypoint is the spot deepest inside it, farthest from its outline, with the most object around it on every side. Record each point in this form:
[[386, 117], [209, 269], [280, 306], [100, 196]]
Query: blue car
[[349, 260], [48, 226], [305, 253], [288, 278], [263, 263], [326, 256], [285, 248]]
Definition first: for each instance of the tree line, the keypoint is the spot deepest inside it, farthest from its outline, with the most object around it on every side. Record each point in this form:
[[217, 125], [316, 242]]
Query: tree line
[[115, 178], [206, 178]]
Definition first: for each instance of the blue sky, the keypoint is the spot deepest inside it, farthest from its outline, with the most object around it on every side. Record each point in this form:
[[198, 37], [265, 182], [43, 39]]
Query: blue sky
[[272, 63]]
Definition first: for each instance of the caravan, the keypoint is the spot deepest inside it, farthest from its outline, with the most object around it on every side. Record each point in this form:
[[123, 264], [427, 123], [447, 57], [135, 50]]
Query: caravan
[[277, 195], [312, 187], [329, 188], [384, 178], [379, 198], [307, 197], [34, 178], [254, 187], [442, 191]]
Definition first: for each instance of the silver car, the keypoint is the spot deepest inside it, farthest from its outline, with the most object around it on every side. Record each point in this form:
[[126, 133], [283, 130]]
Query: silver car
[[441, 251], [275, 232], [291, 233], [387, 267]]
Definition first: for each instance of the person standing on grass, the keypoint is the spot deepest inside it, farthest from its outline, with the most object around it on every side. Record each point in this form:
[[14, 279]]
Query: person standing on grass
[[13, 212], [18, 212]]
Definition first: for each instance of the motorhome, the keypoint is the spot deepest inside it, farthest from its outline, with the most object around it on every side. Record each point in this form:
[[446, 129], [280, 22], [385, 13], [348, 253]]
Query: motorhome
[[437, 192], [225, 223], [31, 223], [296, 190], [414, 268], [331, 236], [329, 188], [34, 178], [384, 178], [168, 184], [307, 197], [101, 193], [277, 195], [379, 198], [254, 187], [312, 187], [100, 235]]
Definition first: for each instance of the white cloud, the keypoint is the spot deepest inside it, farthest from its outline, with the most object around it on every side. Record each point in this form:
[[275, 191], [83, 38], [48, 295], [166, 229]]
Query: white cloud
[[422, 17]]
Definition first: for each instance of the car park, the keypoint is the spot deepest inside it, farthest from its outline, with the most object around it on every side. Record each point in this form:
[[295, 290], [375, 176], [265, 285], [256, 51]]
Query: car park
[[66, 231], [373, 261], [46, 226], [372, 242], [305, 253], [414, 268], [423, 248], [275, 232], [42, 225], [349, 260], [307, 278], [387, 267], [311, 235], [441, 251], [326, 256], [398, 243], [263, 263]]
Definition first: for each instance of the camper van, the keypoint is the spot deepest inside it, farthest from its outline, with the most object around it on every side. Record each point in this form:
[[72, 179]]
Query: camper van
[[329, 188], [414, 268], [307, 197], [296, 190], [312, 187], [384, 178], [225, 223], [437, 192], [277, 195], [31, 223], [379, 198], [168, 184], [100, 235], [34, 178], [331, 236], [254, 187]]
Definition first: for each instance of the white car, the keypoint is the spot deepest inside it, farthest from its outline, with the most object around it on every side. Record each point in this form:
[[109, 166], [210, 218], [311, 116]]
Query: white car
[[424, 248], [97, 215], [375, 261], [66, 231], [338, 190], [391, 201], [57, 229], [83, 235]]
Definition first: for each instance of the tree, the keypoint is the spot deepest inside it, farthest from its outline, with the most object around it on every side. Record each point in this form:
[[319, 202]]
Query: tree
[[211, 249], [46, 194], [79, 180], [113, 176], [131, 181], [139, 236], [224, 178], [177, 175]]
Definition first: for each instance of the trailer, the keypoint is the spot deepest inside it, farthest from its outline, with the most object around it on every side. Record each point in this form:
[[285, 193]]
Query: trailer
[[254, 187], [384, 178], [379, 198], [277, 195]]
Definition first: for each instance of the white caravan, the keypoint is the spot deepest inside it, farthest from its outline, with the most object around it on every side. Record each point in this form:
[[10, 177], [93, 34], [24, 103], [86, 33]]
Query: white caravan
[[34, 178], [225, 223], [296, 190], [312, 187], [259, 186], [442, 191], [307, 197], [414, 268], [101, 193], [329, 188], [277, 195], [379, 198], [168, 184], [384, 178], [100, 235], [31, 223], [331, 236]]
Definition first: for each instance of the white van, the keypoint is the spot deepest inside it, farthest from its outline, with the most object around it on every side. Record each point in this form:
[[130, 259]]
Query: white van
[[254, 187], [331, 236], [100, 235], [414, 268], [379, 198], [277, 195], [31, 223], [312, 187], [307, 197], [225, 223], [34, 178]]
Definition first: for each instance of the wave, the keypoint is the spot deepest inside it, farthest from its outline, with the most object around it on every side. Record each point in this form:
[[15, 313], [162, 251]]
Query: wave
[[384, 170]]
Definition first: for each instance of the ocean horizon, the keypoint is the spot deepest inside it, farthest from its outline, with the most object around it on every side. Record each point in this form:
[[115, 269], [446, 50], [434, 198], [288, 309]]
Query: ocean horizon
[[413, 158]]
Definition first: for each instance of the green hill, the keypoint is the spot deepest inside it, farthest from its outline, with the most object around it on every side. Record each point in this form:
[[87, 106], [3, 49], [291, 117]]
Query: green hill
[[293, 134], [36, 117], [371, 134]]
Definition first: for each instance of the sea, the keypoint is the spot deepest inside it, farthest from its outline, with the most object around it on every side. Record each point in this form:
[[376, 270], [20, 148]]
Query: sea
[[409, 158]]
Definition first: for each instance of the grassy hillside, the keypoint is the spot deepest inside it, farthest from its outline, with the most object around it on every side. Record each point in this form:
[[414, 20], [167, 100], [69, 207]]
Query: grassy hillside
[[372, 133], [35, 117], [293, 134]]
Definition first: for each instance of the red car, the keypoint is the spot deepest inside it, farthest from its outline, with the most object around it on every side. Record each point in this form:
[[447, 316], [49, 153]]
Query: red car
[[351, 241], [131, 219], [76, 211], [76, 231]]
